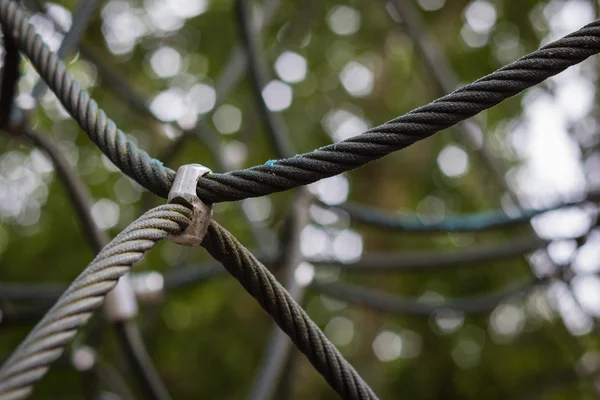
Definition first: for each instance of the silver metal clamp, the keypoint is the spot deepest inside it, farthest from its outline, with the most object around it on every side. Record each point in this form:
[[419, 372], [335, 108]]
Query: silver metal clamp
[[183, 192]]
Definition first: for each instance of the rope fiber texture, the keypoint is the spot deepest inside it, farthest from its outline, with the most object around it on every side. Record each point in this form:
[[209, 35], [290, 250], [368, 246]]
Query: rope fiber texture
[[405, 130], [133, 161], [74, 308], [287, 173], [288, 314]]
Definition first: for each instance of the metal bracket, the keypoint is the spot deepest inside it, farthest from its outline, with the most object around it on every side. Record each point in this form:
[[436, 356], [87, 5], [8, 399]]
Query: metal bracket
[[183, 192], [120, 303]]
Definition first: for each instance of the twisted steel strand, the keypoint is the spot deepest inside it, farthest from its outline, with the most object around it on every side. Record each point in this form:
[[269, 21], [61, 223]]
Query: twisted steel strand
[[284, 174], [93, 120], [278, 345], [130, 340], [405, 130], [74, 308], [82, 16], [445, 80], [288, 314], [460, 223], [128, 332]]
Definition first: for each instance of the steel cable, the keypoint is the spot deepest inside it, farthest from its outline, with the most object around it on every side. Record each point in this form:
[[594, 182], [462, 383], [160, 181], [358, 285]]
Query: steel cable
[[83, 14], [287, 173], [102, 130], [275, 176], [468, 222], [278, 345], [280, 175], [288, 314], [472, 222], [128, 332], [426, 260], [74, 308], [382, 301]]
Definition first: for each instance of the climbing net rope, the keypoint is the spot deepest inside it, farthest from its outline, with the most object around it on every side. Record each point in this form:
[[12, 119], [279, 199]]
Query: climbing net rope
[[75, 304]]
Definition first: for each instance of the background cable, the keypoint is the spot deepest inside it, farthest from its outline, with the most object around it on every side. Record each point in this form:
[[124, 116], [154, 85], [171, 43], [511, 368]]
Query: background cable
[[381, 301], [10, 79], [427, 260], [468, 222]]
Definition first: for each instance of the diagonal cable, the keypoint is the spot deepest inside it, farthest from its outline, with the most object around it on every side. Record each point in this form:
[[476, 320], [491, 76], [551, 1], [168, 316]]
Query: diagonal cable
[[288, 314], [284, 174], [74, 308]]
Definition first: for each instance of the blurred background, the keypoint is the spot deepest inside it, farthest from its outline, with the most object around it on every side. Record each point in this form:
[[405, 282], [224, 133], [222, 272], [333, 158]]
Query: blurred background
[[173, 75]]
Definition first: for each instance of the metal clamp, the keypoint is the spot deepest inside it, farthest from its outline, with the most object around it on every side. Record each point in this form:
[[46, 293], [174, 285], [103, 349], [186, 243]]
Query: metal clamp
[[183, 192]]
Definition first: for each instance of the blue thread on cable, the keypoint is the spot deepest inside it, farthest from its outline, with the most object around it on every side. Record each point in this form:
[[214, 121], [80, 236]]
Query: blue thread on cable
[[270, 163]]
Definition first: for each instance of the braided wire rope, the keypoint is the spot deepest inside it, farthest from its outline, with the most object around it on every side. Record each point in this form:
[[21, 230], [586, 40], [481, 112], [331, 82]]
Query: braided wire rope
[[288, 314], [472, 222], [280, 175], [287, 173], [128, 333], [233, 71], [74, 308], [45, 343], [139, 165], [102, 130]]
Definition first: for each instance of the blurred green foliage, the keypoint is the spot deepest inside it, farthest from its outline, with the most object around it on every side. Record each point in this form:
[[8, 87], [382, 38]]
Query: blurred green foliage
[[207, 340]]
